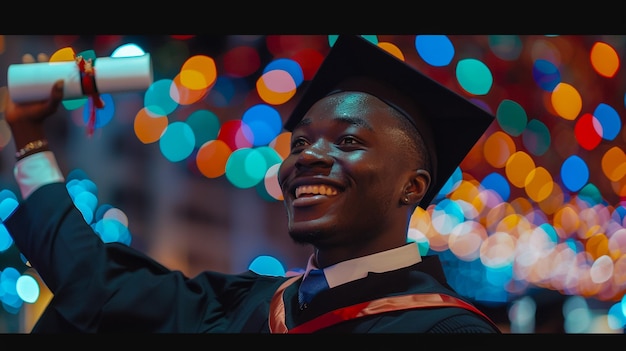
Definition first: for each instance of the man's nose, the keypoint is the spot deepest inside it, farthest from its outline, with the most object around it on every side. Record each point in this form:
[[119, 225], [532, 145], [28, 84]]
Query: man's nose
[[317, 152]]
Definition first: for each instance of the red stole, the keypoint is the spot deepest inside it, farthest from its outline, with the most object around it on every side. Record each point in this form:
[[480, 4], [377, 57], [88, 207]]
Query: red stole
[[386, 304]]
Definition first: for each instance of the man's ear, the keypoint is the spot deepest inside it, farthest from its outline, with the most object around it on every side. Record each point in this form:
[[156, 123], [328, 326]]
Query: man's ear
[[416, 187]]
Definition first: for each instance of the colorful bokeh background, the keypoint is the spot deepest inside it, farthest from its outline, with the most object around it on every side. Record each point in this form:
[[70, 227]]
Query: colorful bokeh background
[[531, 226]]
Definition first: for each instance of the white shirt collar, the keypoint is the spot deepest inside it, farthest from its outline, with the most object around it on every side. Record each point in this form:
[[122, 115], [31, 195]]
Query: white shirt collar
[[357, 268]]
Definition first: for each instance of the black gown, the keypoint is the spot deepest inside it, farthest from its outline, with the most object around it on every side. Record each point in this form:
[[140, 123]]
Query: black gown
[[110, 287]]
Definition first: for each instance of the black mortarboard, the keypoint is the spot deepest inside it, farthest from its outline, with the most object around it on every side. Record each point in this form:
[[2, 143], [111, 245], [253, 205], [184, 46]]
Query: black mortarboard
[[449, 124]]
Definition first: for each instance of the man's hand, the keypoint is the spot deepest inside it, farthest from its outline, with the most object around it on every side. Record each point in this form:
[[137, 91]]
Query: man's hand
[[33, 112], [26, 119]]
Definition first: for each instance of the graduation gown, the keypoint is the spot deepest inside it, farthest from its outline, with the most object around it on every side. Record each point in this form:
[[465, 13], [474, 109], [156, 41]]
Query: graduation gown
[[110, 287]]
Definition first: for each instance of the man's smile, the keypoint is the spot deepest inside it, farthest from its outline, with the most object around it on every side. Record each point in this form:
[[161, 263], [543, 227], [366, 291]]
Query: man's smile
[[321, 189]]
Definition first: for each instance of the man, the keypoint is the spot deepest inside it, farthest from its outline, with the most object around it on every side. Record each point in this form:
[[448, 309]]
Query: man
[[370, 143]]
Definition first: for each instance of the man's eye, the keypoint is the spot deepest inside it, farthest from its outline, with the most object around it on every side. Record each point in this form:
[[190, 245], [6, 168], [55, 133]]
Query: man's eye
[[298, 143], [349, 140]]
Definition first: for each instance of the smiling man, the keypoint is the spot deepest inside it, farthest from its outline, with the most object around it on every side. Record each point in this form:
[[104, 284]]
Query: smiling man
[[371, 140]]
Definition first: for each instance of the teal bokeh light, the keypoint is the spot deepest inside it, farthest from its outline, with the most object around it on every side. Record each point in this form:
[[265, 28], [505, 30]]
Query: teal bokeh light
[[549, 230], [76, 186], [446, 215], [246, 167], [7, 206], [451, 184], [474, 76], [267, 265], [177, 142], [506, 47], [536, 137], [617, 316], [102, 209], [112, 230], [128, 50], [8, 288], [157, 99], [590, 194], [270, 155], [5, 238], [511, 117], [27, 288], [372, 38], [86, 203], [205, 126]]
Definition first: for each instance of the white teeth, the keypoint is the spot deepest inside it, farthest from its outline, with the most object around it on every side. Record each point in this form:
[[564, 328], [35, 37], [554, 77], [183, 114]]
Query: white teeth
[[315, 190]]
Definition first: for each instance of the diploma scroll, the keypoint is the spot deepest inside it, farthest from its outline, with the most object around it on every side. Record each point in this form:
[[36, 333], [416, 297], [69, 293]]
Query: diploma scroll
[[33, 81]]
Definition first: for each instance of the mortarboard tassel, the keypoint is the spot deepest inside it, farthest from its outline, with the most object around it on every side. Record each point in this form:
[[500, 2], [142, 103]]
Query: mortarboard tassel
[[88, 83]]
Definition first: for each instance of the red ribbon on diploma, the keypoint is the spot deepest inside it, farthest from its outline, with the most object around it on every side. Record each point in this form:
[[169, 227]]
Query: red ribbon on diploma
[[88, 83]]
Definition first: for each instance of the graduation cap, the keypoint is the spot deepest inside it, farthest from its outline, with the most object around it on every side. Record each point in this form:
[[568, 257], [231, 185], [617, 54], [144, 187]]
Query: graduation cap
[[449, 124]]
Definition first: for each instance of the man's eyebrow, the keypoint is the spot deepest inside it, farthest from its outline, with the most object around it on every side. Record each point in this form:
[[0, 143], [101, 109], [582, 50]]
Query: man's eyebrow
[[348, 120], [355, 121]]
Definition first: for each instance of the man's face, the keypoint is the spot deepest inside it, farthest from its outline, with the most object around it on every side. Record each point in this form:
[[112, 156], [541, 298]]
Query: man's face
[[343, 180]]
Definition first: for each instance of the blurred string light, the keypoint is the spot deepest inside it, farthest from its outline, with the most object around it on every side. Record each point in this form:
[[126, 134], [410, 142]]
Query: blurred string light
[[588, 270], [243, 149], [523, 223]]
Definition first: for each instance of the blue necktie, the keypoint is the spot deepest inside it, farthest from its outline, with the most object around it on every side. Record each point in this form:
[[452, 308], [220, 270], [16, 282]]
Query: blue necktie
[[313, 283]]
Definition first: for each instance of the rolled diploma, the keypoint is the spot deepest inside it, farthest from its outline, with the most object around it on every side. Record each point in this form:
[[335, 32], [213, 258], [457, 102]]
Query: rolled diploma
[[33, 81]]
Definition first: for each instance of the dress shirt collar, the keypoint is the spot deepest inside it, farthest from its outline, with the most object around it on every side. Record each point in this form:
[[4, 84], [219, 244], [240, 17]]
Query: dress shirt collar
[[357, 268]]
